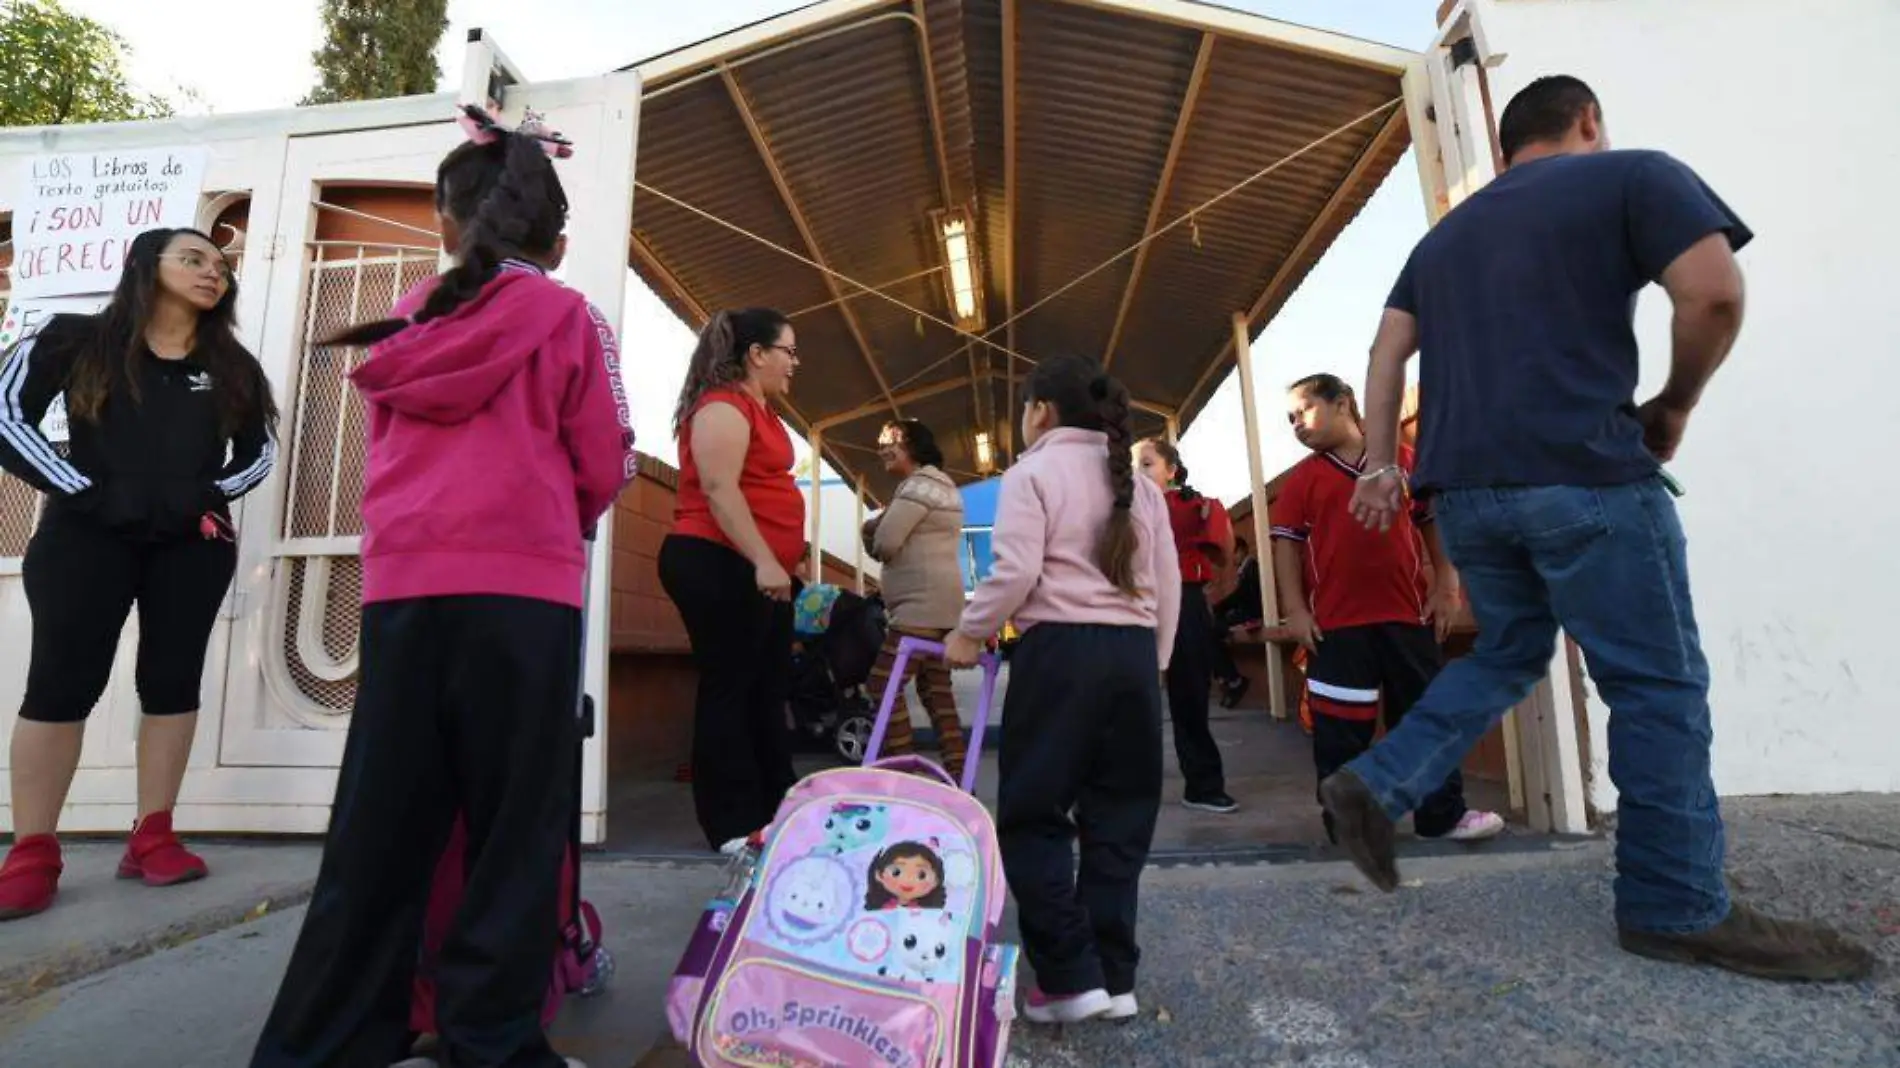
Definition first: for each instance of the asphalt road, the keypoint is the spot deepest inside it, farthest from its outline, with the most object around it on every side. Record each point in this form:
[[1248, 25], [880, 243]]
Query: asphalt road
[[1480, 960]]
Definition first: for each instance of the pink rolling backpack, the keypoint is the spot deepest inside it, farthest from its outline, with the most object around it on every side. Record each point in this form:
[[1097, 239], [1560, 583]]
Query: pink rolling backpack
[[861, 929]]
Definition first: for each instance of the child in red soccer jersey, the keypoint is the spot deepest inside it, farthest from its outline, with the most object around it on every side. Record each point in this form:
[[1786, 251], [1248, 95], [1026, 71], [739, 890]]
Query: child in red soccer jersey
[[1357, 600]]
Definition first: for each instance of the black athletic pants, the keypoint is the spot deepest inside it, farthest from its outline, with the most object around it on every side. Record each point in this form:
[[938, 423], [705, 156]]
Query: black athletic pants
[[1190, 677], [1354, 668], [1082, 734], [742, 646], [465, 704], [82, 581]]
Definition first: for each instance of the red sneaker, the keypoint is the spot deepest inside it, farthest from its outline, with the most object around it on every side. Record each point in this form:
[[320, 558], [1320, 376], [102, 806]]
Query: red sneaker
[[155, 854], [29, 880]]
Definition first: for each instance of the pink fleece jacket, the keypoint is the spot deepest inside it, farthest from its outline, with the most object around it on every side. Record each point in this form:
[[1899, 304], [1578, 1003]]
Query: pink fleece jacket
[[1050, 514], [498, 436]]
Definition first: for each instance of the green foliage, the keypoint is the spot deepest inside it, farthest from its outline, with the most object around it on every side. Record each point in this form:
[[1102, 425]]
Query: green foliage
[[378, 48], [61, 68]]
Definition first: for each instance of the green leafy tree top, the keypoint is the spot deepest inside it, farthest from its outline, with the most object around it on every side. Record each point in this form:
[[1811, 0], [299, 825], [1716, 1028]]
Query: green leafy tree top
[[378, 48], [61, 68]]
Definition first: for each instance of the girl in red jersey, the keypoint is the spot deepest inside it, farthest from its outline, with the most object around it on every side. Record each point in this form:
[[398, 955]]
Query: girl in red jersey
[[1358, 600], [1204, 540]]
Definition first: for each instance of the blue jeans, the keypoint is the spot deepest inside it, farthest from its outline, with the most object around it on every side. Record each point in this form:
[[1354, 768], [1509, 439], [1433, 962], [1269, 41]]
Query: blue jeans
[[1608, 565]]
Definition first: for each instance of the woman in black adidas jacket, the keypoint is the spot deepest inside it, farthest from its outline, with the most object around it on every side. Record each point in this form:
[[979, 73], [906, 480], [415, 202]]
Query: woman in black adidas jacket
[[170, 421]]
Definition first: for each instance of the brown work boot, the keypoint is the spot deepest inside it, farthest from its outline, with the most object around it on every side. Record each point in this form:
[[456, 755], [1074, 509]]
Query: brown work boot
[[1753, 944], [1360, 825]]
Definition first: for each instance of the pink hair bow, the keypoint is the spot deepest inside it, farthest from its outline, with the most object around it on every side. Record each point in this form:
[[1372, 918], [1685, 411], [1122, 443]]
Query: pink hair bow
[[482, 128]]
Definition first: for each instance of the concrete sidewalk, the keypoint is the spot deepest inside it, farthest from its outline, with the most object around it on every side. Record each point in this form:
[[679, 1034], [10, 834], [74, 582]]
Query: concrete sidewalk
[[1489, 958]]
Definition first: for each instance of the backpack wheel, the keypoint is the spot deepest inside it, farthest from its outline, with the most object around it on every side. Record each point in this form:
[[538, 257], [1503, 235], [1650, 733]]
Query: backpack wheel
[[853, 738], [600, 972]]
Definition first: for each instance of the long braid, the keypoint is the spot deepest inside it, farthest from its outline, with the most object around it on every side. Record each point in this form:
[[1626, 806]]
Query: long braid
[[1116, 552]]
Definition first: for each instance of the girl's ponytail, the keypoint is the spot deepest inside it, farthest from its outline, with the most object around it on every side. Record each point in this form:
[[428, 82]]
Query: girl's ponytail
[[719, 357], [1116, 553], [501, 189], [1171, 456]]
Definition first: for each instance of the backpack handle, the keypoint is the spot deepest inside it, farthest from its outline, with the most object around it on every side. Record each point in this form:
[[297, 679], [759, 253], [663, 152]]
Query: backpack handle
[[915, 765], [908, 647]]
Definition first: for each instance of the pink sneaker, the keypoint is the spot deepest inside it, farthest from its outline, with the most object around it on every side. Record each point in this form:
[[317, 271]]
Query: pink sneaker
[[1476, 827], [1066, 1008]]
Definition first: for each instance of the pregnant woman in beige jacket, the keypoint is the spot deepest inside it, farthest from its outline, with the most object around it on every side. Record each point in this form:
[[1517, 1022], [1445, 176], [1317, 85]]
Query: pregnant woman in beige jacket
[[916, 539]]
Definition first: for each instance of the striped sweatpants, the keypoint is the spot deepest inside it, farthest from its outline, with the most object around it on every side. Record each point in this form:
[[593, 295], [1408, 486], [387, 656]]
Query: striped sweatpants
[[933, 689]]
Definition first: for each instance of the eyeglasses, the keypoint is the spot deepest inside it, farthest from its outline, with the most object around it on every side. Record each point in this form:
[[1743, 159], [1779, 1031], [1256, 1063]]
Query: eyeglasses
[[789, 350], [198, 261]]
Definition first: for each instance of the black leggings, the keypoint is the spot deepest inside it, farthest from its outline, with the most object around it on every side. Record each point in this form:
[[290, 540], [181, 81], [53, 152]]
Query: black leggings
[[742, 646], [1190, 675], [464, 705], [1081, 759], [82, 581]]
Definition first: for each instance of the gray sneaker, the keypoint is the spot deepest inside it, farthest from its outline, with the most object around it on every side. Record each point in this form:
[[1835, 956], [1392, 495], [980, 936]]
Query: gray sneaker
[[1753, 944]]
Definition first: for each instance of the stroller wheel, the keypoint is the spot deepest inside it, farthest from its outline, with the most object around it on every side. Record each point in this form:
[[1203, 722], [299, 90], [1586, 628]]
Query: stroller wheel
[[600, 974], [853, 737]]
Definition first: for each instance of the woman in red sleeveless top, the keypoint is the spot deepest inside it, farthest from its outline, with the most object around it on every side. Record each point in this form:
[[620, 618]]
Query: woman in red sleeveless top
[[738, 532]]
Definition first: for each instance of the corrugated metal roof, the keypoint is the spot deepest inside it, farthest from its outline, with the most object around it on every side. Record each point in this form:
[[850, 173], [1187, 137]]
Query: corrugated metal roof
[[888, 113]]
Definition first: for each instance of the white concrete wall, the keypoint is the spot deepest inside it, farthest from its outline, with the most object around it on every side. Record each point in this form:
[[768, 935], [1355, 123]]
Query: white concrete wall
[[840, 519], [1791, 505]]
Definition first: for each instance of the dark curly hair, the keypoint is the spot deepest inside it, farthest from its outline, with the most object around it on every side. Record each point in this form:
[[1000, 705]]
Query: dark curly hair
[[1087, 397], [918, 441]]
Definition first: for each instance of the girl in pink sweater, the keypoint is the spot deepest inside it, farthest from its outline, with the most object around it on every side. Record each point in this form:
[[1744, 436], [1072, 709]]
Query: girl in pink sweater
[[498, 436], [1085, 565]]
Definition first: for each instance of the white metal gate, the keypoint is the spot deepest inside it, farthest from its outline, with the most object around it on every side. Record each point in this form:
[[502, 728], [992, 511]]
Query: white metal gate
[[280, 678]]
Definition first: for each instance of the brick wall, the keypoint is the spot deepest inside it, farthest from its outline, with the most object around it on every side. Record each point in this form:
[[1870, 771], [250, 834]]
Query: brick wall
[[651, 679]]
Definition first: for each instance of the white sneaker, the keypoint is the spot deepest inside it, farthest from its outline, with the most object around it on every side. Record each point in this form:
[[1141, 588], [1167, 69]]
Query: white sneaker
[[1122, 1007], [1477, 826], [731, 849], [1066, 1009]]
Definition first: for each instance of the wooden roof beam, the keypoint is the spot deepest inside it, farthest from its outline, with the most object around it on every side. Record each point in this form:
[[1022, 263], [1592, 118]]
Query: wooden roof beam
[[1279, 287], [812, 247], [1009, 219], [1162, 185]]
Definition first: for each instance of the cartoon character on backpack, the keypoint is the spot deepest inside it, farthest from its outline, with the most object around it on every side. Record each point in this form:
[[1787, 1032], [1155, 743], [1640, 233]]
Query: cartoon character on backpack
[[921, 943], [865, 932]]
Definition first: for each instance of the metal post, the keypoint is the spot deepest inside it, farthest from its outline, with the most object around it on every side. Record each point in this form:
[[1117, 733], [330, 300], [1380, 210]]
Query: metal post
[[817, 505], [860, 530], [1263, 547]]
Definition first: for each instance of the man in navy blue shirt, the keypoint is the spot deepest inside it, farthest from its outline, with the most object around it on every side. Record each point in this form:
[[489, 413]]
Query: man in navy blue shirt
[[1545, 479]]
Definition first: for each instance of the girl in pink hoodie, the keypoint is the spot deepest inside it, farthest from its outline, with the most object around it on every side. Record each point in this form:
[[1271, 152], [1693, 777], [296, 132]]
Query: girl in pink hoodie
[[1084, 563], [498, 437]]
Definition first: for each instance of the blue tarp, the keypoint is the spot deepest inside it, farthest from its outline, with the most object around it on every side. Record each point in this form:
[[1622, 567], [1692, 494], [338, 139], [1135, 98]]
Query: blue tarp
[[979, 503], [979, 515]]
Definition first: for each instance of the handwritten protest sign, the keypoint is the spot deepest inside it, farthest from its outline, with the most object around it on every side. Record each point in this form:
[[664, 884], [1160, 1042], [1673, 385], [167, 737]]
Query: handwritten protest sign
[[23, 318], [79, 211]]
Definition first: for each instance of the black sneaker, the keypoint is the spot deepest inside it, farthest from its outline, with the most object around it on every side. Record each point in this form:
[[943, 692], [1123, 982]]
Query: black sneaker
[[1753, 944], [1233, 690], [1218, 803], [1362, 827]]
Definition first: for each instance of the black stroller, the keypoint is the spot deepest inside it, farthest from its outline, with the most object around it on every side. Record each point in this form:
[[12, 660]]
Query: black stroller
[[833, 651]]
